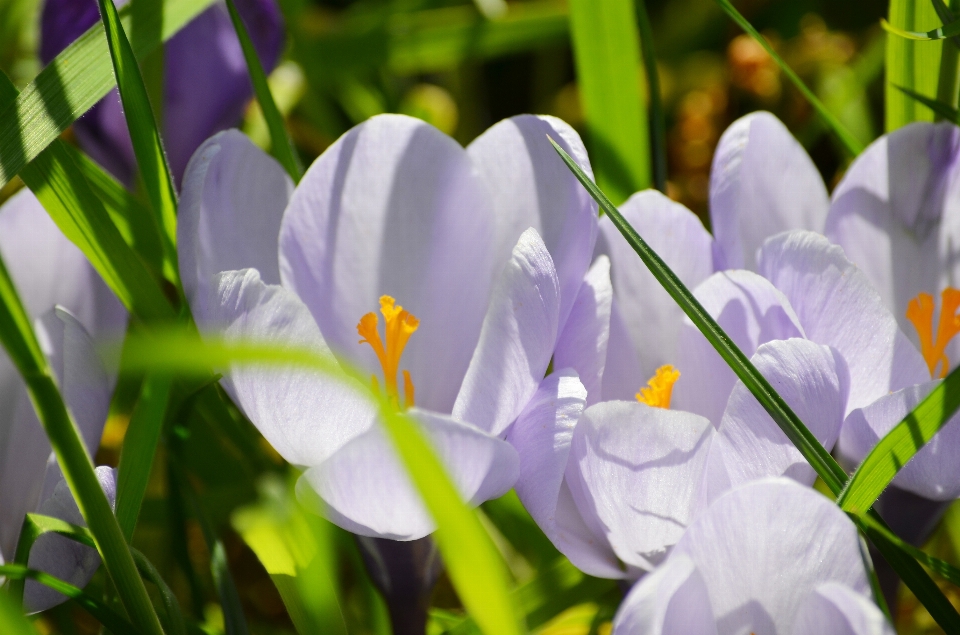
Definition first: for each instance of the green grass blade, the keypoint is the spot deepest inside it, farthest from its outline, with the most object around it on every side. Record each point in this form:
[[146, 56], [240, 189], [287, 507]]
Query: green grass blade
[[911, 65], [176, 625], [139, 447], [66, 195], [18, 338], [939, 33], [35, 525], [941, 109], [281, 146], [473, 562], [821, 461], [77, 79], [144, 133], [852, 145], [900, 445], [606, 49], [658, 125], [103, 614], [942, 568], [12, 620]]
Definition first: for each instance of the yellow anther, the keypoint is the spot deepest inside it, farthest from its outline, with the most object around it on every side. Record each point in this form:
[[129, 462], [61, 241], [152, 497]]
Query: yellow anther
[[659, 389], [399, 326], [920, 312]]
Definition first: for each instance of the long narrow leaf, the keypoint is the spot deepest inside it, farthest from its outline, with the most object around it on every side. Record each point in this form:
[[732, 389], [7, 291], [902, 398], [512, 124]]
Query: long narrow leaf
[[912, 65], [34, 526], [21, 344], [894, 450], [12, 620], [943, 110], [658, 125], [606, 49], [939, 33], [176, 624], [853, 145], [144, 133], [76, 80], [280, 144]]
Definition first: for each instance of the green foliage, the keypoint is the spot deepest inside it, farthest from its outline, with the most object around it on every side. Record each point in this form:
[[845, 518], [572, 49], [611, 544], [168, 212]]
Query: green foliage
[[911, 65]]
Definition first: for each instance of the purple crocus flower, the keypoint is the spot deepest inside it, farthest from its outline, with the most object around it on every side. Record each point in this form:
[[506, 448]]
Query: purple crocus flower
[[768, 557], [49, 271], [477, 258], [206, 85]]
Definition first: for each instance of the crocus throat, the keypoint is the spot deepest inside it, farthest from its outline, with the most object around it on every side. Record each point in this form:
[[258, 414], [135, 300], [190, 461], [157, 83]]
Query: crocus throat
[[920, 312], [659, 389], [399, 326]]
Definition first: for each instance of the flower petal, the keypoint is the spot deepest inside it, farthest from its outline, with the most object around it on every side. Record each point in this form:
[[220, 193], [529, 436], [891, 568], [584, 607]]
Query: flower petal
[[838, 307], [369, 492], [671, 600], [59, 556], [395, 207], [48, 269], [233, 199], [622, 375], [834, 609], [305, 416], [751, 311], [896, 213], [639, 470], [516, 342], [531, 187], [762, 183], [582, 345], [749, 445], [763, 547], [542, 436], [933, 472], [652, 317]]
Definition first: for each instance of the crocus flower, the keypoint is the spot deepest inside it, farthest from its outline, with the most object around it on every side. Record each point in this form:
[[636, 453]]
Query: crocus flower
[[446, 243], [206, 85], [768, 557], [49, 270]]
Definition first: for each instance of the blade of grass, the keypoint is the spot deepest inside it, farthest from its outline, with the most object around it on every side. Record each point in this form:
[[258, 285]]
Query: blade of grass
[[35, 525], [473, 563], [281, 146], [176, 624], [77, 79], [12, 620], [948, 84], [606, 49], [78, 212], [852, 145], [19, 340], [144, 133], [658, 126], [912, 65], [940, 33], [894, 450], [941, 109], [108, 618], [139, 447], [825, 466]]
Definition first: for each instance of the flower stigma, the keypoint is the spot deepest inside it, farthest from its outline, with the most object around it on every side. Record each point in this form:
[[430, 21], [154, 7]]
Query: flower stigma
[[659, 389], [399, 326], [920, 312]]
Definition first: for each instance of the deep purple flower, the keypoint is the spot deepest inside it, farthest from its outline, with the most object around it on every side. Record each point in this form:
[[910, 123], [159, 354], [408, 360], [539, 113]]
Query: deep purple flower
[[206, 84]]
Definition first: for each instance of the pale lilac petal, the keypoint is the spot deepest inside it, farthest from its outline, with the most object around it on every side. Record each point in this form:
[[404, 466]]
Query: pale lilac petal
[[751, 311], [639, 471], [48, 269], [652, 317], [762, 183], [59, 556], [531, 187], [834, 609], [934, 471], [749, 445], [622, 375], [516, 342], [395, 207], [368, 491], [837, 306], [763, 547], [232, 201], [896, 213], [306, 416], [582, 345], [672, 600], [542, 436]]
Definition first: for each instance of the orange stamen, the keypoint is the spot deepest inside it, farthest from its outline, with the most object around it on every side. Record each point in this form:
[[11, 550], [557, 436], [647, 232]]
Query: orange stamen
[[659, 389], [920, 312], [399, 326]]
